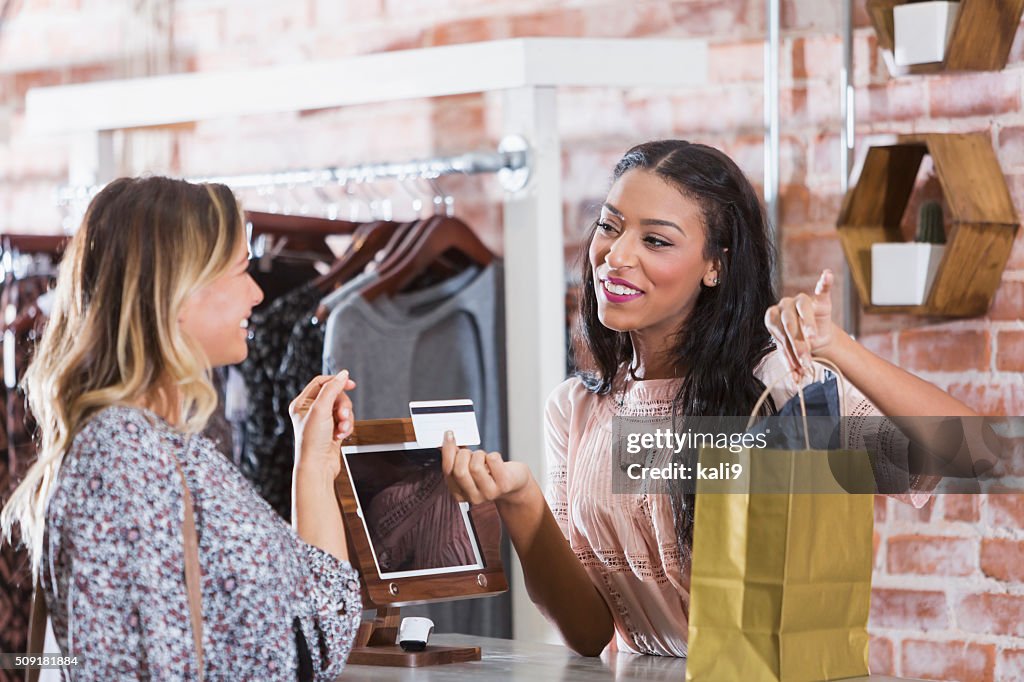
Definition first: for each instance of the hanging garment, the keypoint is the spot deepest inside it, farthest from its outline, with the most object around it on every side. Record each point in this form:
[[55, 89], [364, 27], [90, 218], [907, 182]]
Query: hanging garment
[[267, 459], [442, 342], [285, 351], [281, 279], [303, 360], [353, 286], [15, 576], [303, 355], [18, 297]]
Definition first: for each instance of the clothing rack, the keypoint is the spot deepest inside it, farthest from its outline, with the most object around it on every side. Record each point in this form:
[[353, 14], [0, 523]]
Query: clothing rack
[[524, 74], [511, 163], [512, 155]]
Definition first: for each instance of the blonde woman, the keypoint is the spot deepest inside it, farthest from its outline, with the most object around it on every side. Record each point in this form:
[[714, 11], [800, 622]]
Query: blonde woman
[[153, 293]]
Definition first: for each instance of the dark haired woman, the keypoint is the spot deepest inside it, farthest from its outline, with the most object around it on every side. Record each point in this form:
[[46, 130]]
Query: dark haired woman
[[680, 316]]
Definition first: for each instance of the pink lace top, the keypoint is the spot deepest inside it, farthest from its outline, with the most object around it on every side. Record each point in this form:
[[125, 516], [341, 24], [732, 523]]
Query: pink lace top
[[627, 542]]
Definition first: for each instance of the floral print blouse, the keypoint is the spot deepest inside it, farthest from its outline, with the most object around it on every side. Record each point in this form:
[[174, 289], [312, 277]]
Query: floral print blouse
[[274, 607]]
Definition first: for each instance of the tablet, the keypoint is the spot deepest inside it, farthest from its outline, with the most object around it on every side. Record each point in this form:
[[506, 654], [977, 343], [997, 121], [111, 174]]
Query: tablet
[[415, 525]]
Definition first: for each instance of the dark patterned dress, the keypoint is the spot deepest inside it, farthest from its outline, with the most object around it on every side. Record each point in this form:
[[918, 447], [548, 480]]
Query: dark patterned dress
[[303, 360], [268, 455], [21, 295], [17, 300], [113, 565]]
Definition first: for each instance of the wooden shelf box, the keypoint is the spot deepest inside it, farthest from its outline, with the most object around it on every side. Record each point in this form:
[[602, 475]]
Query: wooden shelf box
[[981, 224], [981, 39]]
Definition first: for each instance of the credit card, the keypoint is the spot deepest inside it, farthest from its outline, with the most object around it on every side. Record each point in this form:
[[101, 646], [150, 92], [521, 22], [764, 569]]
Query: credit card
[[431, 418]]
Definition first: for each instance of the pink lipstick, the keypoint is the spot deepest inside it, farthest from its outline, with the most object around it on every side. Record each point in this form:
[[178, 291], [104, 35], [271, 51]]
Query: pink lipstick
[[624, 292]]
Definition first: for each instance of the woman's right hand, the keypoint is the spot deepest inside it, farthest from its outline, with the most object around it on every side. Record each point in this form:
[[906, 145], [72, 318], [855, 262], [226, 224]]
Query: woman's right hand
[[477, 476], [322, 418]]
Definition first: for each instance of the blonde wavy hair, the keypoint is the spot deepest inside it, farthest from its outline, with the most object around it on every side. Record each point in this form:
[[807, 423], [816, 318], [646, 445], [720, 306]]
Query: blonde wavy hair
[[113, 338]]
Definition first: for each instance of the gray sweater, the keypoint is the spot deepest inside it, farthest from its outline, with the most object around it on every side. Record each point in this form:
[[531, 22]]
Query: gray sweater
[[443, 342]]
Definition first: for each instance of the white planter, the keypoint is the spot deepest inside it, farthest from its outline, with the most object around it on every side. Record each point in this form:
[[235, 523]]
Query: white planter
[[922, 31], [902, 274]]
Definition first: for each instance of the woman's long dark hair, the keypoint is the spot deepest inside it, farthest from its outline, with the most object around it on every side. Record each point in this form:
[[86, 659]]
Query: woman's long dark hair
[[724, 338]]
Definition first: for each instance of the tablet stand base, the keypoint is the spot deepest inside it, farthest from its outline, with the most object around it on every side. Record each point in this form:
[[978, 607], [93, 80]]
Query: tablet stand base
[[375, 645]]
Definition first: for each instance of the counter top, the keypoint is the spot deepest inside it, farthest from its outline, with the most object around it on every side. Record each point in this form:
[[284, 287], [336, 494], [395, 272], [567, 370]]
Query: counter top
[[505, 659]]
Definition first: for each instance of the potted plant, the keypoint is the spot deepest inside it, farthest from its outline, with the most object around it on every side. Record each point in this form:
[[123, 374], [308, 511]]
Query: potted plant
[[921, 31], [902, 274]]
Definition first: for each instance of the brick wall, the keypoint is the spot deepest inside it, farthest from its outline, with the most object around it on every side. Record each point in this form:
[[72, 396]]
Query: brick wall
[[949, 602]]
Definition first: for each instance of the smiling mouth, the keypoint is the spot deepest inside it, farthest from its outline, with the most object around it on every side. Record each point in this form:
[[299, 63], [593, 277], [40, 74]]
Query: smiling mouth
[[619, 289], [619, 293]]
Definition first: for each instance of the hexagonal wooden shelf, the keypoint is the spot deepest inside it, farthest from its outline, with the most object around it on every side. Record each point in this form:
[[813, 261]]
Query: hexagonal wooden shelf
[[980, 228], [981, 39]]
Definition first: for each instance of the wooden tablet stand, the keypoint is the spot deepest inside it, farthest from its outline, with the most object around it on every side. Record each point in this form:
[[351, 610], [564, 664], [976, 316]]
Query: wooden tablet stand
[[376, 641]]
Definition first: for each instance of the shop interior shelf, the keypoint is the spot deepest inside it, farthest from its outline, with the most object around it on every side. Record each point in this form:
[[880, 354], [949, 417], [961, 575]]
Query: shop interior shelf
[[981, 39], [980, 227]]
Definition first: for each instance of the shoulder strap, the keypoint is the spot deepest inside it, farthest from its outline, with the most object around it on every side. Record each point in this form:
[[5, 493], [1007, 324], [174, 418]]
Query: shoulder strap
[[193, 584], [193, 574], [36, 628]]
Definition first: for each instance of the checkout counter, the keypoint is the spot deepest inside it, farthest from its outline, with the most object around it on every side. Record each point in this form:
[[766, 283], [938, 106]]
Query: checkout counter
[[506, 660]]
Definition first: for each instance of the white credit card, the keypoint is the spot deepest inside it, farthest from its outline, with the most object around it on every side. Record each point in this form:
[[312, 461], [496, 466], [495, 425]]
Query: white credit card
[[431, 418]]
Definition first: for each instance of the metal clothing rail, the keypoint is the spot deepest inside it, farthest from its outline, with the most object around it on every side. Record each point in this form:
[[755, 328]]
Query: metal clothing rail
[[511, 162]]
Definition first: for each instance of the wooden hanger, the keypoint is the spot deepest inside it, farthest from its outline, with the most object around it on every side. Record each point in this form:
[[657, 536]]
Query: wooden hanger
[[441, 235], [366, 242], [303, 233], [287, 225], [52, 244], [399, 248], [401, 244]]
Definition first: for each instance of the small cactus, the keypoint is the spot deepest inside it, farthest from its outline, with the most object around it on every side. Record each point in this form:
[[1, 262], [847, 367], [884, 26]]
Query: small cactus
[[929, 224]]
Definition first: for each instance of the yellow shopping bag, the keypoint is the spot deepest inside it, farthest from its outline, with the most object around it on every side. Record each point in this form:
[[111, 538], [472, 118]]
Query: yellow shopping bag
[[780, 582]]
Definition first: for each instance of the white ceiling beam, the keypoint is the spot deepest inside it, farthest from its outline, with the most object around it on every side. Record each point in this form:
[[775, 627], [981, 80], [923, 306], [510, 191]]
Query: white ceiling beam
[[387, 76]]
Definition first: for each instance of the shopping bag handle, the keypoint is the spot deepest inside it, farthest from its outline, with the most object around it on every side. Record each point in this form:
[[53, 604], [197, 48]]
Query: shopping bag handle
[[803, 405]]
